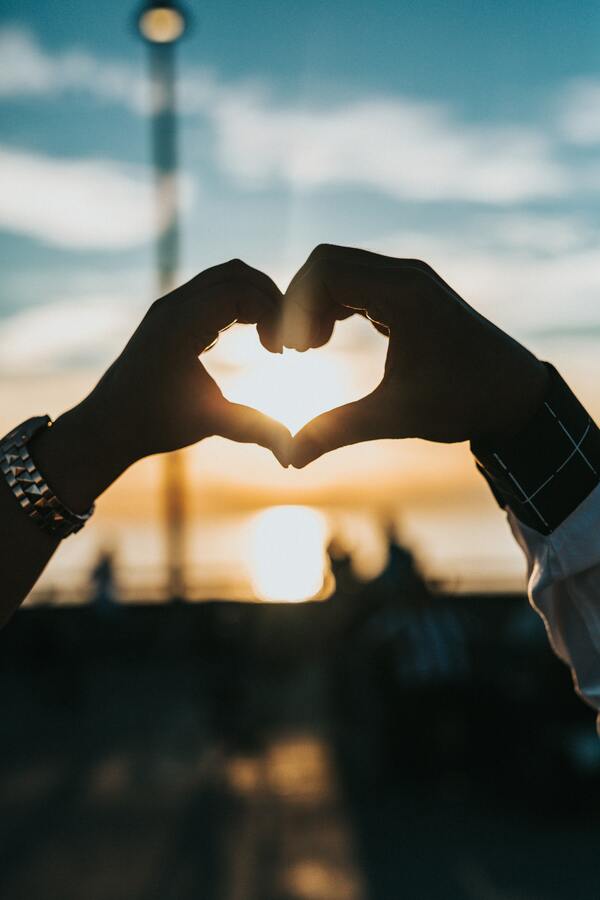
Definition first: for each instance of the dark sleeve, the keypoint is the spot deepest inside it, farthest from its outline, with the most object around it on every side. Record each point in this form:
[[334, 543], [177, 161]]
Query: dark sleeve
[[545, 471]]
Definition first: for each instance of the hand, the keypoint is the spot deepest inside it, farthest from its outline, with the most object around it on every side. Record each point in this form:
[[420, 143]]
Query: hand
[[157, 396], [450, 374]]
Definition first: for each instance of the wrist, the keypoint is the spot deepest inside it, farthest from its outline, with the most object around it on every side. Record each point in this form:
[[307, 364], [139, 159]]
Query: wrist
[[78, 457], [521, 389], [546, 470]]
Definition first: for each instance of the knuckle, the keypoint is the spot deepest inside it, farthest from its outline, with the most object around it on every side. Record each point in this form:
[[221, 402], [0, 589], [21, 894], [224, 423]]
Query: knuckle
[[237, 266], [157, 308], [322, 251], [233, 268], [418, 277], [419, 268]]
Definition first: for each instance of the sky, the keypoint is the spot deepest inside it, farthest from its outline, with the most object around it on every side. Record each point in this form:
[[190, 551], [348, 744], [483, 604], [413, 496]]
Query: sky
[[469, 131], [465, 133]]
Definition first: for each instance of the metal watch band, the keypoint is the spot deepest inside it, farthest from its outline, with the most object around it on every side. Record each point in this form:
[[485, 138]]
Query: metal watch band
[[32, 492]]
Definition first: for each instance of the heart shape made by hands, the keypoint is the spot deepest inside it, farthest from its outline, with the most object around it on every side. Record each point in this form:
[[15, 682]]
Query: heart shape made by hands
[[295, 387]]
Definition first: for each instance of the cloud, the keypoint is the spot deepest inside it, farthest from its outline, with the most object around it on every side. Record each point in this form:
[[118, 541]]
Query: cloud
[[530, 294], [579, 112], [79, 203], [400, 146], [65, 333], [28, 70], [405, 148], [533, 233]]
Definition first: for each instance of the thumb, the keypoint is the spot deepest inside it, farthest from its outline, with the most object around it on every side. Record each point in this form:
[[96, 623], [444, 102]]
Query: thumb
[[249, 426], [363, 420]]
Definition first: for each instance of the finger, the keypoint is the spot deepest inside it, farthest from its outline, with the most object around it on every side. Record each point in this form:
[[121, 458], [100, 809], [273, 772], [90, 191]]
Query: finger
[[249, 426], [378, 326], [363, 420], [220, 307], [321, 331], [269, 333], [222, 295], [334, 254], [304, 332], [216, 310], [329, 252], [336, 277], [332, 284], [307, 303], [309, 332], [233, 271]]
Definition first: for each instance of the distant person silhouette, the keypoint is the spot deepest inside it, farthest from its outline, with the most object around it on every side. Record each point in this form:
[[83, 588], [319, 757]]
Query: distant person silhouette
[[103, 581]]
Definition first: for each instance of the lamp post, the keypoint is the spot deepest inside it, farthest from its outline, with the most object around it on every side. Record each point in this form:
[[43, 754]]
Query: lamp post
[[161, 25]]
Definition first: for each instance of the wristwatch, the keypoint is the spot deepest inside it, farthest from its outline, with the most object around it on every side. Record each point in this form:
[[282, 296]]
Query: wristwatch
[[29, 487]]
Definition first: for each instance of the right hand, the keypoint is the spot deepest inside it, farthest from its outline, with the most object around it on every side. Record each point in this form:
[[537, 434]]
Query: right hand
[[450, 374]]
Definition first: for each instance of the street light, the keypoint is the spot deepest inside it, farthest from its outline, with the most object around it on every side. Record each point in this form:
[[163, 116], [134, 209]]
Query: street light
[[161, 25]]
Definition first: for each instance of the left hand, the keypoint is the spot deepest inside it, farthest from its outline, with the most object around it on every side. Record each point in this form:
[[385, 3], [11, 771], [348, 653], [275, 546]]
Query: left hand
[[157, 396]]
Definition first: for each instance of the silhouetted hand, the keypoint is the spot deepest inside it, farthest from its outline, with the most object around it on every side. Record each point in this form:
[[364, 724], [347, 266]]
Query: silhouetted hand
[[450, 374], [157, 396]]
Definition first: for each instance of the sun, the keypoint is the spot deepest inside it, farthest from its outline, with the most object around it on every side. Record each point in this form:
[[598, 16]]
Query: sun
[[287, 553]]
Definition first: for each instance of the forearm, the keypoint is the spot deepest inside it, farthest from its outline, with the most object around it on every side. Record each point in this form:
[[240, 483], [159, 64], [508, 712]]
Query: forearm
[[547, 478], [78, 466], [24, 554]]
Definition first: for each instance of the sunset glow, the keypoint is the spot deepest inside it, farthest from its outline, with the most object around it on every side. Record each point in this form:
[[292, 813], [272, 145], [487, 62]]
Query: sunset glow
[[287, 553], [291, 387]]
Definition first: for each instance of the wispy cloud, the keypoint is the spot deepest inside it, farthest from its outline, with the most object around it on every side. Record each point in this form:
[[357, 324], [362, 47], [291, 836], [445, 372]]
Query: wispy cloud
[[27, 69], [579, 112], [544, 298], [407, 148], [78, 203], [533, 234], [400, 146], [65, 333], [527, 292]]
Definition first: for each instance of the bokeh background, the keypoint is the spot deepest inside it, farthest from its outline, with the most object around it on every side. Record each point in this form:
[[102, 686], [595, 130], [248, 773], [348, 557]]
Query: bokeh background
[[411, 735]]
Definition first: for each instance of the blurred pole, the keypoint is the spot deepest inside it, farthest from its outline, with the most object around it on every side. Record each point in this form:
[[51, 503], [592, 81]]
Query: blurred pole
[[161, 25]]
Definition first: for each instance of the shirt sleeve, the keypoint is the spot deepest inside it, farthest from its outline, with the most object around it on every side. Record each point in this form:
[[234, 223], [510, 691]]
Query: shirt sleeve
[[547, 478], [564, 588]]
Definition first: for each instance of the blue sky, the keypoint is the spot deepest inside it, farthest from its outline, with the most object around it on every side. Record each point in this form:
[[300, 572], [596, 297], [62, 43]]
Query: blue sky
[[467, 133]]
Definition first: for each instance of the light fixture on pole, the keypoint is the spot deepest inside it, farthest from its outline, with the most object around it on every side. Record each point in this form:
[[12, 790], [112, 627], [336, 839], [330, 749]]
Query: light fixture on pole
[[161, 25]]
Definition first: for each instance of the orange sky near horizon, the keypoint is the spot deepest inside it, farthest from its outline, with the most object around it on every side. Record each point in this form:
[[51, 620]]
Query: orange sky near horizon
[[432, 492], [292, 388]]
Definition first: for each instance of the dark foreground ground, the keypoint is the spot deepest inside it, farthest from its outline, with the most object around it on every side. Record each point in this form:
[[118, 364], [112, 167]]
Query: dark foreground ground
[[382, 745]]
